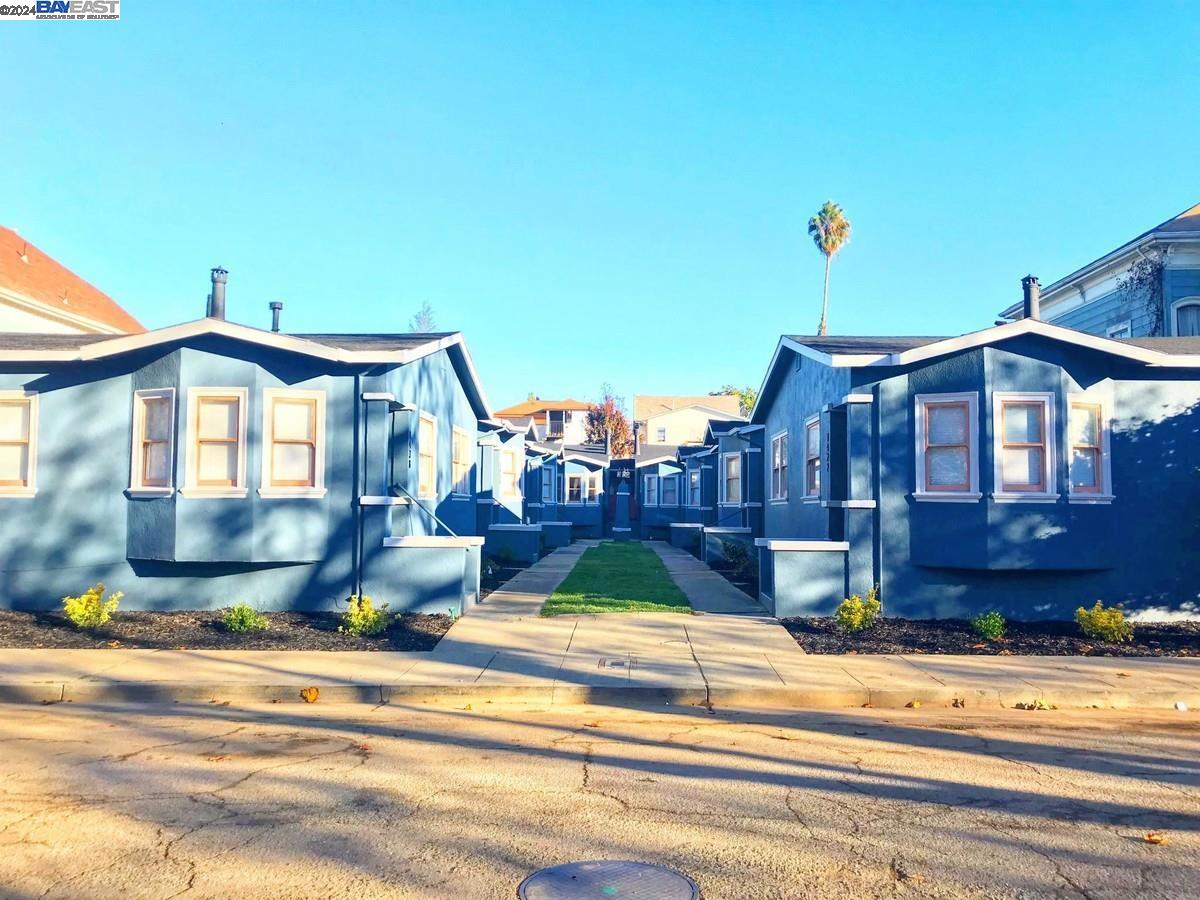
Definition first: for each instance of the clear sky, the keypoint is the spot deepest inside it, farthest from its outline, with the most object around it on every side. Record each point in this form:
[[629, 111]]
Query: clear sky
[[596, 191]]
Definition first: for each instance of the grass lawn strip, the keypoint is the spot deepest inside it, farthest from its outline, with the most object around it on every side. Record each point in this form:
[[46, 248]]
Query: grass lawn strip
[[617, 577]]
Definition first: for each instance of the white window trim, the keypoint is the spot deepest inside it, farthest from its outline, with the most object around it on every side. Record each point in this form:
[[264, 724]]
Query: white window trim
[[582, 501], [457, 431], [662, 500], [548, 470], [266, 489], [1050, 461], [428, 417], [24, 492], [973, 494], [515, 493], [1126, 326], [1099, 395], [809, 423], [647, 481], [596, 479], [136, 488], [786, 465], [1193, 300], [724, 501], [190, 488], [699, 489], [660, 434]]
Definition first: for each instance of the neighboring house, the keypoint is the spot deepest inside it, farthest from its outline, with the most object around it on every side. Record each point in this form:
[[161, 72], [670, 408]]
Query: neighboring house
[[500, 481], [40, 296], [549, 420], [1027, 468], [568, 483], [211, 463], [675, 421], [1092, 298]]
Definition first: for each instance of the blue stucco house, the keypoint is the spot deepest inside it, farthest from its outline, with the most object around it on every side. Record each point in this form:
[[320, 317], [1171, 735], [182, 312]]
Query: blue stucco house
[[567, 485], [211, 463], [1028, 468]]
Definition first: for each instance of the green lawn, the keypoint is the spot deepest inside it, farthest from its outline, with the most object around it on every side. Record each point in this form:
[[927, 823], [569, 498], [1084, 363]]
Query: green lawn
[[617, 577]]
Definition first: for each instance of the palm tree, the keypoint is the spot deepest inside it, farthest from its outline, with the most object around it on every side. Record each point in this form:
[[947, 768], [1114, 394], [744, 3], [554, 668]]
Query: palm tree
[[829, 229]]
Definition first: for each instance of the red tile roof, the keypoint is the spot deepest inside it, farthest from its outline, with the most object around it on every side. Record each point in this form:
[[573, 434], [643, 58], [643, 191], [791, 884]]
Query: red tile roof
[[36, 278]]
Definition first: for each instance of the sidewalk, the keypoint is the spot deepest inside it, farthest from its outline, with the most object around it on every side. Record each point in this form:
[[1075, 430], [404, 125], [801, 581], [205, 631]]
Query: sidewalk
[[728, 655]]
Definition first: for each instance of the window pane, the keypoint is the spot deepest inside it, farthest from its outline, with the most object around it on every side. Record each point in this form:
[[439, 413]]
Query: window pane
[[947, 467], [292, 463], [1187, 320], [1085, 425], [425, 482], [814, 440], [156, 413], [425, 435], [156, 464], [14, 464], [946, 424], [1023, 423], [217, 464], [294, 420], [218, 419], [14, 420], [1084, 471], [1022, 466]]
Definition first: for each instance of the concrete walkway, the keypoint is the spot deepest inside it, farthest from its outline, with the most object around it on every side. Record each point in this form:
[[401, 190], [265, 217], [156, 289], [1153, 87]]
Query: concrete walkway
[[729, 655]]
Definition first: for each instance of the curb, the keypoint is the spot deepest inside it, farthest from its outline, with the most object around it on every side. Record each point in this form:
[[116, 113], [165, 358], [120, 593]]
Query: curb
[[560, 694]]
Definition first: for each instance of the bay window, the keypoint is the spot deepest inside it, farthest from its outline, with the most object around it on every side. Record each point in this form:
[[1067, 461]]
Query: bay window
[[947, 447], [18, 443], [1023, 425], [152, 453], [216, 447]]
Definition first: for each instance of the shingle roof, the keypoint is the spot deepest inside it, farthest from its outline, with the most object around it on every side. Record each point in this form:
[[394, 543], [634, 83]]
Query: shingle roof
[[32, 275], [719, 426], [529, 407], [16, 340], [655, 451], [375, 341], [851, 344], [646, 405], [1176, 346]]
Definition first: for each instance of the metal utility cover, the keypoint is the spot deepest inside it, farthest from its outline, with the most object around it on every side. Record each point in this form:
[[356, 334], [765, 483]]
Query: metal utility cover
[[604, 879]]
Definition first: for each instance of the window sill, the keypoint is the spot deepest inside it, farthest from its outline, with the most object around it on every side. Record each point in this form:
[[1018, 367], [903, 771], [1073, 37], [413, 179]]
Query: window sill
[[812, 498], [291, 493], [461, 497], [1001, 497], [135, 493], [17, 493], [198, 493], [947, 496], [1091, 499]]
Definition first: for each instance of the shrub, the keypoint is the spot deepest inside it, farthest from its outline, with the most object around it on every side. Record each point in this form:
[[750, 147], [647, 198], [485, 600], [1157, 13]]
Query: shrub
[[90, 609], [989, 625], [854, 614], [244, 619], [362, 619], [1104, 623], [505, 556], [737, 554]]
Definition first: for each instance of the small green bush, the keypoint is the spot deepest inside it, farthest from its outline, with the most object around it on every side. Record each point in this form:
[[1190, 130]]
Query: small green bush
[[90, 609], [363, 619], [854, 614], [244, 619], [989, 625], [1104, 623], [737, 554]]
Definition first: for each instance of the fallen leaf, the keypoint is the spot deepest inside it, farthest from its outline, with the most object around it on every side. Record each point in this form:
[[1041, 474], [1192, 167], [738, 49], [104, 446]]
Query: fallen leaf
[[868, 706], [959, 703], [913, 704], [310, 694], [468, 706], [1155, 837], [217, 757], [1122, 674], [591, 724], [980, 646]]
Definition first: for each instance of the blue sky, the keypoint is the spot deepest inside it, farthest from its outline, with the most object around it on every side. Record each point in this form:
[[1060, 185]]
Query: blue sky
[[596, 191]]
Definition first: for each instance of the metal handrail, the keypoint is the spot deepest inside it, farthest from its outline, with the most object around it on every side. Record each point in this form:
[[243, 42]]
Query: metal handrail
[[429, 512]]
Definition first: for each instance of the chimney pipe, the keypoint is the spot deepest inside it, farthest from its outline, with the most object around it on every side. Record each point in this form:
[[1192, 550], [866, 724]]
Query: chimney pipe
[[216, 300], [276, 309], [1033, 297]]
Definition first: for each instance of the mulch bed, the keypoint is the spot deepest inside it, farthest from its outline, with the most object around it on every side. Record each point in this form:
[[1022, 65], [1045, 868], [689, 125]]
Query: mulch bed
[[202, 630], [1051, 638]]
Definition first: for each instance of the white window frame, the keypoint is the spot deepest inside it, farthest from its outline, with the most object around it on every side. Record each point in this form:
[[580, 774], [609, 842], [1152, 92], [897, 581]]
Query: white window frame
[[1126, 326], [1178, 305], [548, 494], [660, 434], [650, 497], [515, 492], [582, 479], [29, 489], [594, 484], [191, 458], [779, 485], [694, 475], [460, 469], [137, 487], [923, 491], [1049, 492], [427, 492], [1101, 398], [317, 488], [725, 501], [662, 494]]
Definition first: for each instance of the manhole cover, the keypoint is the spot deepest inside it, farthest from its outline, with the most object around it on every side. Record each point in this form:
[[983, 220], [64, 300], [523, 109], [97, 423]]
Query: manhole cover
[[608, 878]]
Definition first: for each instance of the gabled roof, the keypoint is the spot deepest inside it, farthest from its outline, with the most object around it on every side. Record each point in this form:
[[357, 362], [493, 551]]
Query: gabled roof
[[530, 407], [31, 279], [340, 348], [863, 352], [646, 405]]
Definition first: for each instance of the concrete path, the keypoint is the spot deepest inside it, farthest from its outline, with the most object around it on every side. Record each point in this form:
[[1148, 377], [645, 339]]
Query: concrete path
[[731, 655]]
